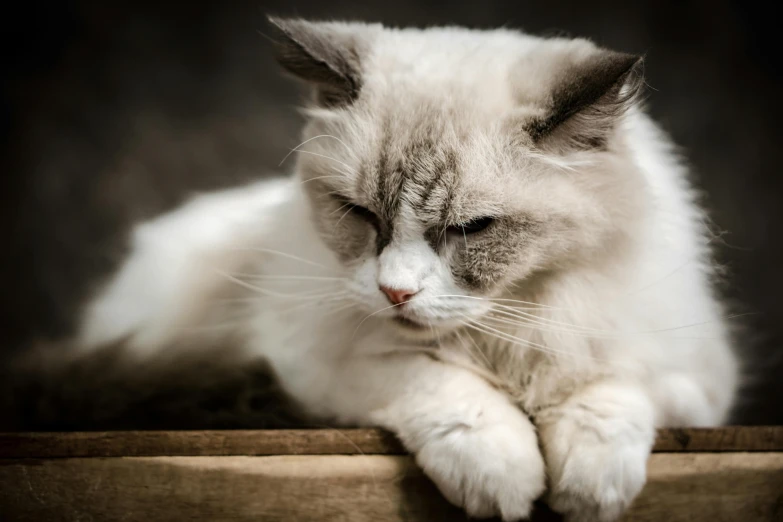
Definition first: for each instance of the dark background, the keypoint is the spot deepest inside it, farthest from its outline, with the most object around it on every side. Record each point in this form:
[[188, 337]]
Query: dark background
[[114, 113]]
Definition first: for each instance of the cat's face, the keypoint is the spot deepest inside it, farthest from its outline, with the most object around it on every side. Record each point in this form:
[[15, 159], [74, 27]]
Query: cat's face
[[435, 191]]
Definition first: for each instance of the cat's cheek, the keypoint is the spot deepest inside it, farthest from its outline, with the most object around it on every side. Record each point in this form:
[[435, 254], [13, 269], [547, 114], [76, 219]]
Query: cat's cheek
[[364, 283], [350, 239]]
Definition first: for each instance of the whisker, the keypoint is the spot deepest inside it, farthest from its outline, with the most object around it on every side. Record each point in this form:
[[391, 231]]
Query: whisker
[[341, 207], [372, 314], [324, 156], [462, 296], [539, 305], [478, 350], [270, 277], [322, 300], [610, 333], [345, 214], [305, 142], [263, 291], [662, 279], [488, 330], [545, 321], [281, 254], [526, 323], [474, 323], [734, 316], [308, 180], [542, 327]]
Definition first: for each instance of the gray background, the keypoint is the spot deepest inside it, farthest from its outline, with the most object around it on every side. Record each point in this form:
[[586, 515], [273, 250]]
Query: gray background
[[112, 114]]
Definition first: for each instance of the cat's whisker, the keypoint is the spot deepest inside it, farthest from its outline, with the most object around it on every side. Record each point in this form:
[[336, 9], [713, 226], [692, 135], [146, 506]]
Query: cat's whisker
[[478, 324], [260, 290], [488, 330], [479, 351], [329, 193], [475, 298], [308, 180], [270, 277], [305, 142], [483, 372], [349, 204], [373, 314], [324, 156], [544, 328], [662, 279], [693, 325], [619, 334], [545, 321], [281, 254], [347, 306], [322, 301], [343, 216], [528, 303]]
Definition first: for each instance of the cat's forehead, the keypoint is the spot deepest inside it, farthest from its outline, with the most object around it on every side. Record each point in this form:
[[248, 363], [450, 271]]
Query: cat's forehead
[[425, 161]]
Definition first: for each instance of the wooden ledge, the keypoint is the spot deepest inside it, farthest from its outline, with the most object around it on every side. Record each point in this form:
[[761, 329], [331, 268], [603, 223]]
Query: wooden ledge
[[725, 474], [321, 442]]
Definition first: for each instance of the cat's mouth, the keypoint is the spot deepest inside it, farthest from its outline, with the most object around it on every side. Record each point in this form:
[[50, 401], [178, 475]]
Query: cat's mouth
[[407, 322]]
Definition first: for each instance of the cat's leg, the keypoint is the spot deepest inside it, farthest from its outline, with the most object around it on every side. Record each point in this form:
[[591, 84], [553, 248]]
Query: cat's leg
[[480, 449], [596, 446]]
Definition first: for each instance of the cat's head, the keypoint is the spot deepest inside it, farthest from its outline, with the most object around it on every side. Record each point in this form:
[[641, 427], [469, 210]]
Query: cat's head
[[448, 162]]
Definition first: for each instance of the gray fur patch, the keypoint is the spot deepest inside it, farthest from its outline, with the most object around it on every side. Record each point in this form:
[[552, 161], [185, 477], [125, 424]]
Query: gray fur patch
[[321, 55], [591, 97], [488, 255]]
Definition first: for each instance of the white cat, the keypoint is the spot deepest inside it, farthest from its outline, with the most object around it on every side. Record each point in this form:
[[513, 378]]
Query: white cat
[[487, 248]]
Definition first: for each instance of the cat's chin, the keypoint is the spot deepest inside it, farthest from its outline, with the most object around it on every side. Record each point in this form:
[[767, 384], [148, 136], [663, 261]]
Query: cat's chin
[[409, 324], [419, 331]]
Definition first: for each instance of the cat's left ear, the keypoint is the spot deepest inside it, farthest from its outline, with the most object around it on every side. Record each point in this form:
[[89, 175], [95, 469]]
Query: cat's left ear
[[325, 54], [587, 98]]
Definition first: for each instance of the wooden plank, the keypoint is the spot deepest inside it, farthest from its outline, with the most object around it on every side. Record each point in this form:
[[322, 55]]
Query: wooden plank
[[726, 438], [682, 487], [198, 443], [318, 442]]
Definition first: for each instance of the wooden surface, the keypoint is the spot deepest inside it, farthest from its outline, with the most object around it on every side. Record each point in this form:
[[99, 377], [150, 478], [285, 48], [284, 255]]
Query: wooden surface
[[744, 487], [729, 474], [319, 442]]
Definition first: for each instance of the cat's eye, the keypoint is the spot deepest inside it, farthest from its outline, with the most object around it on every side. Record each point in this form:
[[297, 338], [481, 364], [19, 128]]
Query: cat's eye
[[472, 226], [358, 210], [365, 213]]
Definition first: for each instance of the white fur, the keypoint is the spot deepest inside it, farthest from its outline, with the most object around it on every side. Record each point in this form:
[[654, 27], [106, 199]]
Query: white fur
[[662, 358]]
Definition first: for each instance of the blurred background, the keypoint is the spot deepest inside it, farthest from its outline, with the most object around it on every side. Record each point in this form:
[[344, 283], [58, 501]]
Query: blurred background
[[115, 112]]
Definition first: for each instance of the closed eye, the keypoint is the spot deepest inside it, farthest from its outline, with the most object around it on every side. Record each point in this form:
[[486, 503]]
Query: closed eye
[[365, 213], [471, 227], [358, 210]]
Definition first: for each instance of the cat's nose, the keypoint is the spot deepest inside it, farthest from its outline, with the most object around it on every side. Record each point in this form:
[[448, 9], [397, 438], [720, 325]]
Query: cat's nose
[[398, 296]]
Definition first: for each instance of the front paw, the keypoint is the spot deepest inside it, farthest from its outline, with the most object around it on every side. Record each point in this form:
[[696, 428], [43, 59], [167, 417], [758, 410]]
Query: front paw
[[593, 480], [494, 470]]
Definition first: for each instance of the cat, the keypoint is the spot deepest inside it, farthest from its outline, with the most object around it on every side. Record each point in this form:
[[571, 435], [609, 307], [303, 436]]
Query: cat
[[487, 247]]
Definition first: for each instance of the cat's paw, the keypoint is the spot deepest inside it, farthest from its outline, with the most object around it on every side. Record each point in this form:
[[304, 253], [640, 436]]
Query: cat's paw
[[593, 480], [495, 470]]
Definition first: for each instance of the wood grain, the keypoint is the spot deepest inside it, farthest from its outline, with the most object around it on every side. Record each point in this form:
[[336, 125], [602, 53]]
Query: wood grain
[[318, 442], [681, 487]]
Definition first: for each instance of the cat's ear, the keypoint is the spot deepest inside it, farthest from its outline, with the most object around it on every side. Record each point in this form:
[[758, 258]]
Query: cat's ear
[[325, 54], [587, 98]]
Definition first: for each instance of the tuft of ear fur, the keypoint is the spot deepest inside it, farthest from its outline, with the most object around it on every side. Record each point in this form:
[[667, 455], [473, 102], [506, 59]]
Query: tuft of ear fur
[[588, 100], [325, 54]]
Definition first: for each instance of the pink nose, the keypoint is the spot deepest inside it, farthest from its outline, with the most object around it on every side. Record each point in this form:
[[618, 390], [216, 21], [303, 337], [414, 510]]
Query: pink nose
[[398, 296]]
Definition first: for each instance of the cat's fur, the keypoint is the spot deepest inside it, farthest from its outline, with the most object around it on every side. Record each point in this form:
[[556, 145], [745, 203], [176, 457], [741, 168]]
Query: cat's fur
[[554, 341]]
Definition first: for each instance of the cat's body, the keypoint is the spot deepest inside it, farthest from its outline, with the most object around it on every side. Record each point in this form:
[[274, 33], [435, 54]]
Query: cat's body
[[546, 261]]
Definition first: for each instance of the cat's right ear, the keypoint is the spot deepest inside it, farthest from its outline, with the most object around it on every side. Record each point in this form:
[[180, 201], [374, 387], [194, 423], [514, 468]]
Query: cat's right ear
[[325, 54]]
